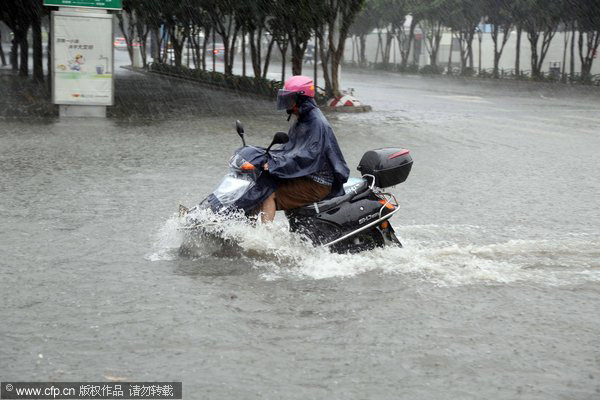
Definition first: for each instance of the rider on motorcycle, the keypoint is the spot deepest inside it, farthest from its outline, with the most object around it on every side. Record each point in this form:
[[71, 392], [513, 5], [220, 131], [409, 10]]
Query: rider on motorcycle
[[310, 166]]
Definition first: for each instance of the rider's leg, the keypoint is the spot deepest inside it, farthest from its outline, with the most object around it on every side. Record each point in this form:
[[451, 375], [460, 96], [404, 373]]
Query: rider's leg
[[268, 209]]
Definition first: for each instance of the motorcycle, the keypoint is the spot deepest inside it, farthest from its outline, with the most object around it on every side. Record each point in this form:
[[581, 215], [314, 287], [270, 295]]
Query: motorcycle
[[354, 222]]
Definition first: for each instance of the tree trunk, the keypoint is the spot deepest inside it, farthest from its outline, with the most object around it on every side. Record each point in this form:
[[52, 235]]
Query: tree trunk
[[572, 66], [2, 51], [433, 39], [155, 49], [214, 56], [244, 54], [316, 58], [14, 54], [470, 54], [268, 58], [164, 57], [518, 54], [49, 55], [363, 45], [186, 46], [495, 33], [533, 42], [24, 63], [177, 44], [324, 62], [335, 79], [405, 51], [228, 31], [193, 39], [38, 68], [449, 71], [388, 46], [283, 53], [498, 51], [298, 50], [142, 37], [586, 54], [204, 46], [563, 75], [463, 53], [537, 57], [127, 34], [337, 54], [379, 45], [255, 53], [479, 55], [231, 58]]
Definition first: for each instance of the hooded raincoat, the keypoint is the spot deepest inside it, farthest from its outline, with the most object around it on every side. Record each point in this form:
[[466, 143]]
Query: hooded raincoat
[[312, 144]]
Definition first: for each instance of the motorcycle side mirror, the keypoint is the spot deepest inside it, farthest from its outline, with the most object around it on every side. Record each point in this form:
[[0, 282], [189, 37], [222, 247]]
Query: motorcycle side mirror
[[240, 130], [239, 127], [279, 138]]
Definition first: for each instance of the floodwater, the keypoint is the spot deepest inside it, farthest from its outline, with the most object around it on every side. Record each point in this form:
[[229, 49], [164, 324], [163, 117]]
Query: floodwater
[[495, 295]]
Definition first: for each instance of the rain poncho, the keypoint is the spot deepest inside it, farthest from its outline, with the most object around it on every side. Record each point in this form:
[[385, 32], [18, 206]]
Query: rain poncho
[[312, 143]]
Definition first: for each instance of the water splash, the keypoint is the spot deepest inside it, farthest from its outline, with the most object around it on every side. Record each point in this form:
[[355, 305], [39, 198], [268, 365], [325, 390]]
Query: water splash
[[280, 254]]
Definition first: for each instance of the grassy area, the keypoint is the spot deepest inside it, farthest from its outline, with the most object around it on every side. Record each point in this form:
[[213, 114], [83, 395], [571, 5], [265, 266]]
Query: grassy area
[[21, 97]]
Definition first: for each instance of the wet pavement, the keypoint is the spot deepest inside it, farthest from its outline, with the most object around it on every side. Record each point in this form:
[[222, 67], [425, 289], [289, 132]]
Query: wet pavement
[[495, 295]]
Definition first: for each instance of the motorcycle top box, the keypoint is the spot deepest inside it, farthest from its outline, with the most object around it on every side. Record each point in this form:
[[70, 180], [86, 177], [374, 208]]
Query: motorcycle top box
[[389, 165]]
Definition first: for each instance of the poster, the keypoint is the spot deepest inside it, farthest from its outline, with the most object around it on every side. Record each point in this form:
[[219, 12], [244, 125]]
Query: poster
[[82, 58]]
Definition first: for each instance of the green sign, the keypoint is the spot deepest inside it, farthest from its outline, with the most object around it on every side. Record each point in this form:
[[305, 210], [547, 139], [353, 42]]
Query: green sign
[[108, 4]]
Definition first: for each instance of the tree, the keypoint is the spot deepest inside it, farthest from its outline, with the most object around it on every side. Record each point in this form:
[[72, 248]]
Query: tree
[[298, 18], [36, 12], [587, 17], [3, 15], [279, 34], [540, 19], [431, 25], [2, 58], [498, 13], [462, 16], [253, 16], [406, 45], [18, 15], [365, 22], [393, 14], [223, 16], [201, 28], [338, 17]]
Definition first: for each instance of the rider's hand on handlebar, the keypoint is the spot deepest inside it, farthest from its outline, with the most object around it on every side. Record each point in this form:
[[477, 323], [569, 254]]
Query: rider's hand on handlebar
[[266, 166]]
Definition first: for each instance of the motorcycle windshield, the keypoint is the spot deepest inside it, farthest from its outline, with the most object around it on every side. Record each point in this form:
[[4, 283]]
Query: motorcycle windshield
[[232, 188]]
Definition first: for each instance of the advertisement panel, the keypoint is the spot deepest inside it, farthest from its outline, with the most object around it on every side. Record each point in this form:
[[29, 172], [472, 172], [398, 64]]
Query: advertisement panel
[[82, 58]]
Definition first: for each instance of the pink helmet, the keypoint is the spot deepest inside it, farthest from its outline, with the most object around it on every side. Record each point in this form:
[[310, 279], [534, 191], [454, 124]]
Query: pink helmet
[[295, 86]]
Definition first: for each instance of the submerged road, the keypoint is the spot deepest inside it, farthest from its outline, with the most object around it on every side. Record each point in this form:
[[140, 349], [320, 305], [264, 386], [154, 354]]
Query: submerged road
[[496, 294]]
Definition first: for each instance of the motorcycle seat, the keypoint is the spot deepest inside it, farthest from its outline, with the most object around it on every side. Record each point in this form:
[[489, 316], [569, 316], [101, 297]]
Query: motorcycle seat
[[325, 205]]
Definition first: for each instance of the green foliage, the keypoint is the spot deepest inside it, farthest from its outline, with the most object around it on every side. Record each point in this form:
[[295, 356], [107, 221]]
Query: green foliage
[[261, 87], [410, 69], [368, 19], [586, 13], [431, 70]]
